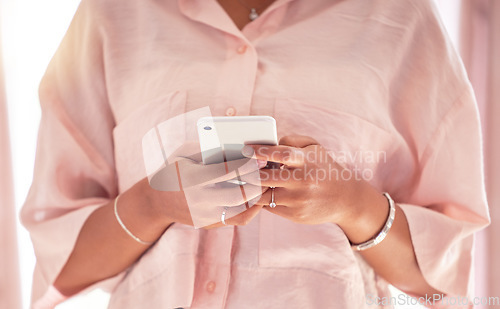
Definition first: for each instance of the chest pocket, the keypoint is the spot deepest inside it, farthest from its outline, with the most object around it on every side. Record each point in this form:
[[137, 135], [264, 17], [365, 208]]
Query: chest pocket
[[128, 135]]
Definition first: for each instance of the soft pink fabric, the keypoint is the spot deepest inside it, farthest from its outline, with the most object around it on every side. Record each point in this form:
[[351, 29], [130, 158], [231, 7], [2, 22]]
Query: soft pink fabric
[[361, 77], [10, 286], [480, 47], [52, 296]]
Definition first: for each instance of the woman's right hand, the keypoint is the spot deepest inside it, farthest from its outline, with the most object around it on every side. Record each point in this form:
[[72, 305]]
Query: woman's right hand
[[191, 193]]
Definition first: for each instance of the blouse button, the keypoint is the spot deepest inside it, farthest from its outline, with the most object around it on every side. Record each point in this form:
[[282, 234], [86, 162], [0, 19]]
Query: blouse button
[[242, 49], [211, 286], [230, 111]]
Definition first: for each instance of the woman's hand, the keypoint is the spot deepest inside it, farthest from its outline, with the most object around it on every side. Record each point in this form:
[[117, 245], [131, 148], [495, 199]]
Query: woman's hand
[[191, 193], [311, 188]]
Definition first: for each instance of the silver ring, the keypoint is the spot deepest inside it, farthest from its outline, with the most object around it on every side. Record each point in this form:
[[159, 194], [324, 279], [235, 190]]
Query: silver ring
[[223, 216], [273, 203]]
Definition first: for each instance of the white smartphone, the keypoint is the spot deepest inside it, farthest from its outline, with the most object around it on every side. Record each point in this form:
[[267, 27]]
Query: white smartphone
[[222, 138]]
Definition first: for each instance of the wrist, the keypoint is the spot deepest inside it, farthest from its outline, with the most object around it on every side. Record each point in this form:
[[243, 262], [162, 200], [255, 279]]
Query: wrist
[[150, 206], [367, 216]]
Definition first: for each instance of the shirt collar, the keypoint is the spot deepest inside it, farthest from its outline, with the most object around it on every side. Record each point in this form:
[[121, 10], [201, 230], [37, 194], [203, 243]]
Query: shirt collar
[[212, 14]]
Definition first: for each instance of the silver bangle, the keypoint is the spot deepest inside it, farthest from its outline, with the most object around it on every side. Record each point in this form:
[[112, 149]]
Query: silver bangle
[[147, 243], [383, 233]]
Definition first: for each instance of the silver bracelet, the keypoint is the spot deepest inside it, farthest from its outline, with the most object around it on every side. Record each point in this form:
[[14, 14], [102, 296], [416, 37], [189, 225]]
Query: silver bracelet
[[147, 243], [388, 224]]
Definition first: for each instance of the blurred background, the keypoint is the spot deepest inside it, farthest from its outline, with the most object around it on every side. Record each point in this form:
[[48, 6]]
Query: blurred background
[[31, 30]]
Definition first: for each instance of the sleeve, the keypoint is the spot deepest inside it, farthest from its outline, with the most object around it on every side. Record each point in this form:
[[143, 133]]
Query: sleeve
[[74, 170], [445, 204], [451, 184]]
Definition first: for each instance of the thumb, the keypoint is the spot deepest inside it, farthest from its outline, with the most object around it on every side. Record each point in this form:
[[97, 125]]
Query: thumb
[[299, 141]]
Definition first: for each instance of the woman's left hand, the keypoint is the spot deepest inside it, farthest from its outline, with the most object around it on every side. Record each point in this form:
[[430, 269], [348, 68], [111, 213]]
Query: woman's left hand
[[310, 187]]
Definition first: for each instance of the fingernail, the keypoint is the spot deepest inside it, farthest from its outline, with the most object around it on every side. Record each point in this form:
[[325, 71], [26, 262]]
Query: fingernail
[[247, 151], [261, 163]]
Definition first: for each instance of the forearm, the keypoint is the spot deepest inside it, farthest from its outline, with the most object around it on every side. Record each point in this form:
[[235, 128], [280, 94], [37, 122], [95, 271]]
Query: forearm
[[103, 249], [394, 258]]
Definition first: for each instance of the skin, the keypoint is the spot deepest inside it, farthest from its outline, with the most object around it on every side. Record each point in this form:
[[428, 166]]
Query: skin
[[239, 13], [103, 249]]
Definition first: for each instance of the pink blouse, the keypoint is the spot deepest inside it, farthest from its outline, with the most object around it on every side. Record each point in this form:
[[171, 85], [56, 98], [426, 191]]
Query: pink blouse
[[362, 77]]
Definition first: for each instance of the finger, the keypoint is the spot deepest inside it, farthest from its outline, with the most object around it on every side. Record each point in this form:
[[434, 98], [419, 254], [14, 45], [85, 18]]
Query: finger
[[242, 218], [193, 174], [205, 197], [281, 178], [245, 217], [290, 156], [282, 197], [299, 141], [254, 201], [213, 216], [282, 211]]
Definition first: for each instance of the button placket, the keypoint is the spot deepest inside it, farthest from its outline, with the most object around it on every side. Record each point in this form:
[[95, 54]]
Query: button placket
[[212, 282], [237, 76]]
